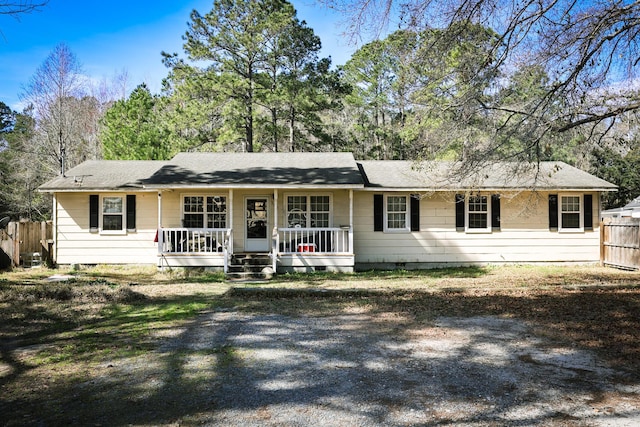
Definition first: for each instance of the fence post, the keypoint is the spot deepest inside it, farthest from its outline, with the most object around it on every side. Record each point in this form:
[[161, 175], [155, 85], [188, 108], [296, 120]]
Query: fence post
[[16, 243], [46, 242], [602, 243]]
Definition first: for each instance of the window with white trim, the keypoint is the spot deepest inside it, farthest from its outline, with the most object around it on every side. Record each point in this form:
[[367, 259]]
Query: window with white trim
[[309, 211], [478, 212], [570, 212], [396, 213], [204, 212], [112, 213]]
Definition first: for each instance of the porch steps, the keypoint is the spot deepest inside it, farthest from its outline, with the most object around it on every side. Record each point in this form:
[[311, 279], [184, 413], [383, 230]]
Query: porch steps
[[250, 266]]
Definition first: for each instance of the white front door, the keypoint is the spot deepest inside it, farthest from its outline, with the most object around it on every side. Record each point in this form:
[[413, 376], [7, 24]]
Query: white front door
[[257, 224]]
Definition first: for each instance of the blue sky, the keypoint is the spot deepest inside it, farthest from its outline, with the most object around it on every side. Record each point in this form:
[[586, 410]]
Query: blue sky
[[108, 37]]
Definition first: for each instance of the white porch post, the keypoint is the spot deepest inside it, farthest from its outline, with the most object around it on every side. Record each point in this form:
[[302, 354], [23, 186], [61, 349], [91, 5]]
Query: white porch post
[[274, 239], [230, 226], [227, 248], [159, 209], [351, 221], [159, 230], [230, 207]]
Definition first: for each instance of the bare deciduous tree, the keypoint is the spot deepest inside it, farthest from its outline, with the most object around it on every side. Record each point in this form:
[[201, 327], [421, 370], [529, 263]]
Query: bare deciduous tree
[[589, 50], [18, 7], [54, 91]]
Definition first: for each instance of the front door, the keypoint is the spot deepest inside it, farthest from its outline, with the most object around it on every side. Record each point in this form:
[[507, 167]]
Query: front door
[[257, 224]]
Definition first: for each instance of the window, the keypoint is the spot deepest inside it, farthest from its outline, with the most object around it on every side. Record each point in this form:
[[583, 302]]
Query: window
[[297, 211], [216, 212], [112, 213], [396, 213], [477, 213], [392, 213], [570, 212], [309, 211], [193, 212], [204, 211], [319, 211]]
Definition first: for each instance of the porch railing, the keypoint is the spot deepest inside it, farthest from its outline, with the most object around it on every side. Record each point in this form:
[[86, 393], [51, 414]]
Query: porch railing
[[194, 240], [320, 240]]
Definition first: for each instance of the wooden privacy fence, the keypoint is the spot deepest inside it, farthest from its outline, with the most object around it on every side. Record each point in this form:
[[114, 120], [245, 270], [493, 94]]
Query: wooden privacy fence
[[26, 243], [620, 242]]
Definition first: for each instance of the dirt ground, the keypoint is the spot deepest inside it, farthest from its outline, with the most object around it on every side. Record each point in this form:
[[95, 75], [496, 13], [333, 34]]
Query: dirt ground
[[354, 369], [454, 348]]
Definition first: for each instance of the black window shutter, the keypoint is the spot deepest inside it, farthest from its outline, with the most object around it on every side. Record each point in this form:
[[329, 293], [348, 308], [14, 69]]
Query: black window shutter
[[460, 211], [588, 212], [378, 212], [94, 202], [495, 211], [415, 213], [553, 211], [131, 212]]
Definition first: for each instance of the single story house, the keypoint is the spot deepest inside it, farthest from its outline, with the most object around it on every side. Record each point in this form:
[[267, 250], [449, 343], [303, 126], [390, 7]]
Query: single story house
[[322, 211], [630, 210]]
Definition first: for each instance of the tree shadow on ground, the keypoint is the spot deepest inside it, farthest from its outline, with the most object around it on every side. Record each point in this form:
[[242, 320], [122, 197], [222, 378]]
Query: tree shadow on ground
[[312, 279], [389, 358]]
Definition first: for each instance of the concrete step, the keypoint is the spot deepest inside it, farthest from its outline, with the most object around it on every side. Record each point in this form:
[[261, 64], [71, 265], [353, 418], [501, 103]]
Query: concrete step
[[264, 275], [250, 266], [250, 259]]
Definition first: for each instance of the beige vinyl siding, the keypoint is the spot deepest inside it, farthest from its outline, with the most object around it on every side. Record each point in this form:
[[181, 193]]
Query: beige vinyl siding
[[524, 235], [172, 209], [75, 244]]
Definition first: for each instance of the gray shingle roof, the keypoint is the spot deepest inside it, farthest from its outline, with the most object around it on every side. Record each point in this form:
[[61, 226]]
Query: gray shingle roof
[[306, 170], [399, 174], [105, 175], [258, 169], [214, 170]]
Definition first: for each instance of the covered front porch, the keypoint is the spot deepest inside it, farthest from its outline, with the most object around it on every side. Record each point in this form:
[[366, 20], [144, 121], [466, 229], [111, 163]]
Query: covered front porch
[[300, 230]]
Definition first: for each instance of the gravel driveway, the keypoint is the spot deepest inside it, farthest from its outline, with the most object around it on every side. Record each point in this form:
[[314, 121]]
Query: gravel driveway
[[239, 369]]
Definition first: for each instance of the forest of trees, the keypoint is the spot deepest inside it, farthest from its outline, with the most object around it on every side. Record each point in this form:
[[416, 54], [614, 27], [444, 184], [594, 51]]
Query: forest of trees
[[251, 78]]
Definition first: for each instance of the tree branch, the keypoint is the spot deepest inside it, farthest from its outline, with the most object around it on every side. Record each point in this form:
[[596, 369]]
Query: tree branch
[[19, 7], [591, 118]]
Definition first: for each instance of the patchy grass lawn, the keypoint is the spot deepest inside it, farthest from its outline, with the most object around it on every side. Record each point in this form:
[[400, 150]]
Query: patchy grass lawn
[[56, 337]]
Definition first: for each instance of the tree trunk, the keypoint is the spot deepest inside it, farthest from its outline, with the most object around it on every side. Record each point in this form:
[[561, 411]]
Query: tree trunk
[[274, 128], [249, 112], [292, 121], [249, 129]]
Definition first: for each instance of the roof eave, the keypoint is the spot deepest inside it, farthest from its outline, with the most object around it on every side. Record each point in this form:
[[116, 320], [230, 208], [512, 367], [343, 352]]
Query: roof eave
[[252, 186], [488, 189], [95, 189], [314, 187]]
